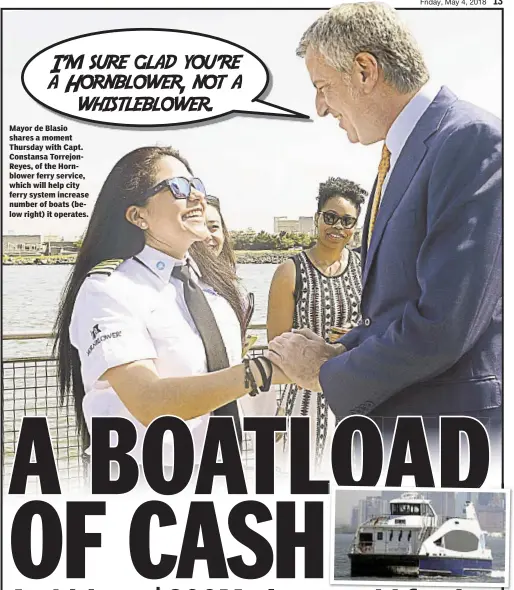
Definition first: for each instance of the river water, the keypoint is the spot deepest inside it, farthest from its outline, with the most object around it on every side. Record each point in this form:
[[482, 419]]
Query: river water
[[31, 296], [342, 564]]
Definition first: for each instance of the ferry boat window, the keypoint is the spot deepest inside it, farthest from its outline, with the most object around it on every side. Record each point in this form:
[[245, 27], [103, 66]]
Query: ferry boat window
[[365, 540], [405, 509], [380, 536], [391, 536], [409, 536], [400, 536]]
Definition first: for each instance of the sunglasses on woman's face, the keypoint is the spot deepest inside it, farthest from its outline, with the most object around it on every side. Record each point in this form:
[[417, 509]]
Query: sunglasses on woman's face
[[179, 186], [331, 218]]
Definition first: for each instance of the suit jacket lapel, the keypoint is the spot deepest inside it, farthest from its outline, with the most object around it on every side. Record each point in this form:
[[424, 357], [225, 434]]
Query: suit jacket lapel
[[404, 170]]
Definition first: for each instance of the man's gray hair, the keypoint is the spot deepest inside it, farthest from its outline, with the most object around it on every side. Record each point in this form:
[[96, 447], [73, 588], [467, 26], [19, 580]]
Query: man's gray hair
[[371, 27]]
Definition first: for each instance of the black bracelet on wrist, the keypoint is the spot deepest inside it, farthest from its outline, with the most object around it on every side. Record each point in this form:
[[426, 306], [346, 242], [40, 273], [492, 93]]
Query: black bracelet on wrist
[[260, 361], [250, 382], [262, 371]]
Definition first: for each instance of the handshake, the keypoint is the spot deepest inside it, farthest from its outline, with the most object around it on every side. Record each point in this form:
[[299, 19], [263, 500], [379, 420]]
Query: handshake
[[300, 354]]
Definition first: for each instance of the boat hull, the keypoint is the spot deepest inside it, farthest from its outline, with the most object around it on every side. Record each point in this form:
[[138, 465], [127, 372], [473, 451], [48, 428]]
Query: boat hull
[[383, 566], [454, 566]]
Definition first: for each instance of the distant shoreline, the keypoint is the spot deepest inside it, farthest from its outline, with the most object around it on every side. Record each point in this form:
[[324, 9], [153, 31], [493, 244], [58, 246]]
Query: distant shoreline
[[242, 256]]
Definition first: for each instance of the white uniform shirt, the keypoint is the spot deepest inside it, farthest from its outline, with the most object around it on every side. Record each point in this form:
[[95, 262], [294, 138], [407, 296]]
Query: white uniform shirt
[[138, 312]]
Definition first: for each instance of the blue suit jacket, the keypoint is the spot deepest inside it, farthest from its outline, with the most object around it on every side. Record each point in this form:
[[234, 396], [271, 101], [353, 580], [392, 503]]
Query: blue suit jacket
[[431, 338]]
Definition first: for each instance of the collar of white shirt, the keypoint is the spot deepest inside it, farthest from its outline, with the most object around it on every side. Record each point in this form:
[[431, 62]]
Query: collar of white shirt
[[405, 122], [162, 264]]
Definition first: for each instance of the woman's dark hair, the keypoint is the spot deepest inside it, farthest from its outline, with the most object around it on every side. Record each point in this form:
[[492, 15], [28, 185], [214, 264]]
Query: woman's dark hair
[[109, 236], [340, 187], [227, 253]]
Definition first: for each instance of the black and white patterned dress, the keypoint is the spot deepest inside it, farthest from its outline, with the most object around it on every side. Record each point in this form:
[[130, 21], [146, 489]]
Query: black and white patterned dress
[[320, 303]]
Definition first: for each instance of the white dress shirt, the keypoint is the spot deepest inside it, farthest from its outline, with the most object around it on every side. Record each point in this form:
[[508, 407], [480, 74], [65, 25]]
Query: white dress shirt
[[405, 122], [138, 312]]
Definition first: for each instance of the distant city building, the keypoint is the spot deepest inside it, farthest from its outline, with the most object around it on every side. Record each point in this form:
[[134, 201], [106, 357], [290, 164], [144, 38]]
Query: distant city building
[[472, 497], [52, 238], [22, 245], [53, 247], [492, 519], [371, 507], [32, 244], [388, 495], [443, 504], [490, 508], [485, 498], [303, 225], [306, 225], [355, 518]]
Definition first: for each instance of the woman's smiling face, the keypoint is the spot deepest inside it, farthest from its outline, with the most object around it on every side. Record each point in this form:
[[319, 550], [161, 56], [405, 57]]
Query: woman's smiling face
[[216, 238], [176, 222], [335, 236]]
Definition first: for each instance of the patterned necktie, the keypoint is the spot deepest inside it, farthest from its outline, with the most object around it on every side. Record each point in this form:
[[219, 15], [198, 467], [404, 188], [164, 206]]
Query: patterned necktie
[[383, 169], [206, 324]]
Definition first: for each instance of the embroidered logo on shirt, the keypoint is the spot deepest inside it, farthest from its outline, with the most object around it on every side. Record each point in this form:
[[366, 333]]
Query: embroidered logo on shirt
[[95, 331], [160, 265], [101, 339]]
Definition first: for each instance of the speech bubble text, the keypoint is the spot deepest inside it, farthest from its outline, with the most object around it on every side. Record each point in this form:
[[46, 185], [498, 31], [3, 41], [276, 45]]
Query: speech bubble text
[[149, 78]]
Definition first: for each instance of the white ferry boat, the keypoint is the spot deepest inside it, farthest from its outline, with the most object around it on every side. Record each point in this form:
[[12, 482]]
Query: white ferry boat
[[410, 541]]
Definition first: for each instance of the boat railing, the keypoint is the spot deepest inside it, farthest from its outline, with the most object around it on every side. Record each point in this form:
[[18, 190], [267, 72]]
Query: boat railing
[[374, 520], [29, 388], [391, 520], [368, 547]]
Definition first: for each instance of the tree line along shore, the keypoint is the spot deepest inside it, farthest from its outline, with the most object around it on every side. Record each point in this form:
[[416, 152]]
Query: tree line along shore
[[242, 256]]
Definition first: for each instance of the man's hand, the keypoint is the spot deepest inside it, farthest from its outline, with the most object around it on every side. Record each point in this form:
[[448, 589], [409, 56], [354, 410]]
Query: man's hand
[[279, 377], [300, 354]]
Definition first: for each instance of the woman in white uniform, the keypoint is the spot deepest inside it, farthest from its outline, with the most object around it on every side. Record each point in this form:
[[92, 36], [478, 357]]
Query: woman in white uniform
[[143, 330]]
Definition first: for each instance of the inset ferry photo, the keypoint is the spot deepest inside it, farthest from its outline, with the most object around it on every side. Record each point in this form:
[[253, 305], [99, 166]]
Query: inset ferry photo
[[433, 535]]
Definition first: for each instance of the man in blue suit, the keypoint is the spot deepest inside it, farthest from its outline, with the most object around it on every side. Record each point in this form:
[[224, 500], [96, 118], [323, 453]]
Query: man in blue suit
[[430, 342]]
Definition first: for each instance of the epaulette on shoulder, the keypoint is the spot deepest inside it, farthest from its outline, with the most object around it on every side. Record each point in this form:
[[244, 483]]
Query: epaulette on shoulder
[[106, 267]]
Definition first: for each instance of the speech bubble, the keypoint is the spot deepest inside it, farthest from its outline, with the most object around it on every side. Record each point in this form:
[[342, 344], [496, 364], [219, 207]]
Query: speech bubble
[[149, 78]]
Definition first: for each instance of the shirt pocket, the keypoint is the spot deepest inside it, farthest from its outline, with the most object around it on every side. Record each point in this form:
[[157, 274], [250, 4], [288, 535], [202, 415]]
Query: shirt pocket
[[180, 350]]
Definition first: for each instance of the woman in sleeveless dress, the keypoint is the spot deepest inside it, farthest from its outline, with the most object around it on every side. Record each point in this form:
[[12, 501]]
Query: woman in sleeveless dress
[[319, 289]]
